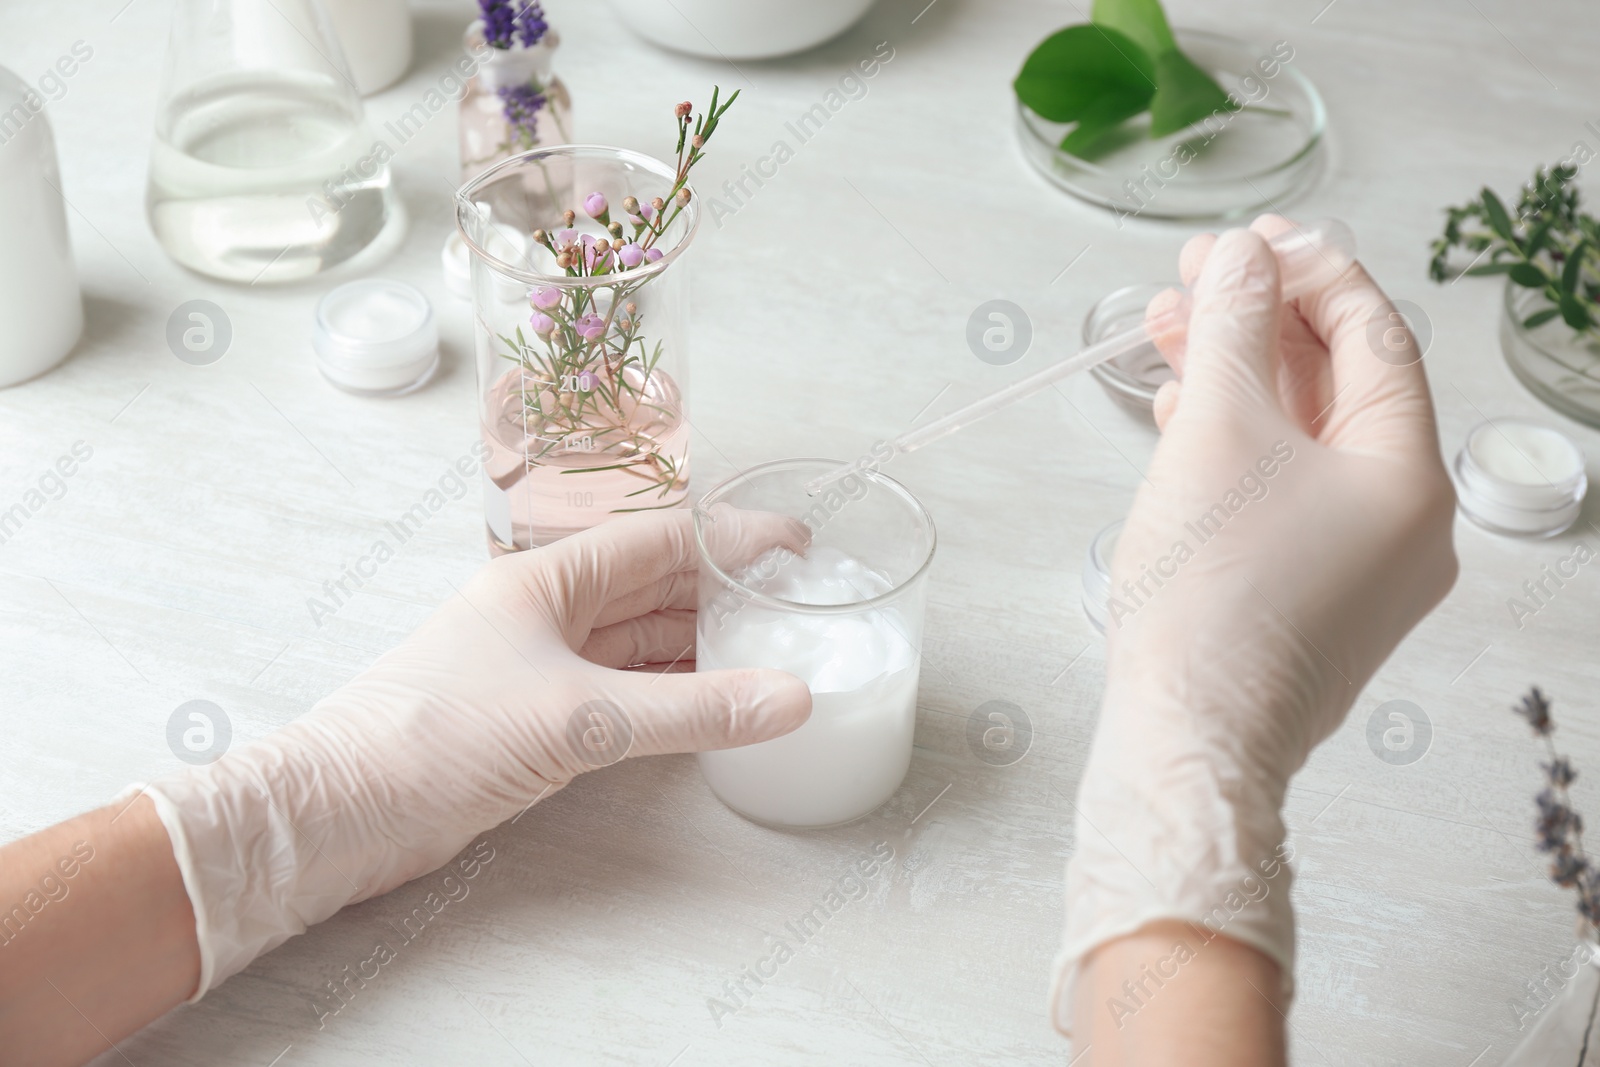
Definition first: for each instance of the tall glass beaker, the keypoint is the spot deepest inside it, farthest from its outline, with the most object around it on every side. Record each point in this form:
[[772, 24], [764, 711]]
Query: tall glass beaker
[[580, 309], [263, 168]]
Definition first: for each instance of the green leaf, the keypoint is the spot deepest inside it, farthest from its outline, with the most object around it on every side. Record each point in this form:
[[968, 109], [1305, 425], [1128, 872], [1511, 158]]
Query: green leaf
[[1142, 21], [1185, 94], [1526, 274], [1574, 268], [1539, 318], [1498, 219], [1573, 312], [1491, 268], [1074, 71], [1089, 139], [1537, 239]]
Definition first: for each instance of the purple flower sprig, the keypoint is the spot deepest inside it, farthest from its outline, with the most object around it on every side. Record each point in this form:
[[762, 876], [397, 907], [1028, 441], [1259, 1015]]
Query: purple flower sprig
[[521, 107], [506, 22], [1558, 826]]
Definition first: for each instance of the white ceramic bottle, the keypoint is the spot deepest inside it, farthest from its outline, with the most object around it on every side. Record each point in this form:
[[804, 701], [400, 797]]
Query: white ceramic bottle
[[376, 38], [41, 310]]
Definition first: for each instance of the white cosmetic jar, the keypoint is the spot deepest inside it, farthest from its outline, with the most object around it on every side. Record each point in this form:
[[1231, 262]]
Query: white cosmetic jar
[[376, 337], [1517, 478]]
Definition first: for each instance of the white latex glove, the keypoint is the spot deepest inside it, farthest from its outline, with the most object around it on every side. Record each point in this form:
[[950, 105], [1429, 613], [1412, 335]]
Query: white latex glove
[[1238, 645], [506, 694]]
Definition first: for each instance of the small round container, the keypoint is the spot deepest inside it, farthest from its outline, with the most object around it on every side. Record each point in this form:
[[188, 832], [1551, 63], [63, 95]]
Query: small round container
[[504, 242], [1132, 378], [1230, 166], [376, 337], [1097, 576], [1517, 478]]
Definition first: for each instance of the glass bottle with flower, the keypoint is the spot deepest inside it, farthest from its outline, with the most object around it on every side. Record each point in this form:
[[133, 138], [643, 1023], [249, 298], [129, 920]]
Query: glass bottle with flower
[[581, 323], [515, 101]]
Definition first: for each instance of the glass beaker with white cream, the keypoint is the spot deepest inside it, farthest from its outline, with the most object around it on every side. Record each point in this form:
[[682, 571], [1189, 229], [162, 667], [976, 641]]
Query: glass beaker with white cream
[[845, 616]]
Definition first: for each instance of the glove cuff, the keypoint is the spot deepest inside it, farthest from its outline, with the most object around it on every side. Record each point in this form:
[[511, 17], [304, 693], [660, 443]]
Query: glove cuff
[[1167, 828]]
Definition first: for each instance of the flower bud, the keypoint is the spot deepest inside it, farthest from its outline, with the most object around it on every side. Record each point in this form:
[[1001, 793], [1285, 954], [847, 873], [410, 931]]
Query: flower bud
[[683, 196], [630, 204], [682, 110], [595, 205], [630, 254], [540, 237], [698, 141], [569, 216], [543, 324], [658, 203], [615, 229]]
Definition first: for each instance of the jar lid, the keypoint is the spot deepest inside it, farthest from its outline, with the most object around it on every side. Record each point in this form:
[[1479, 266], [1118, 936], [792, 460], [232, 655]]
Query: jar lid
[[376, 336], [1520, 478]]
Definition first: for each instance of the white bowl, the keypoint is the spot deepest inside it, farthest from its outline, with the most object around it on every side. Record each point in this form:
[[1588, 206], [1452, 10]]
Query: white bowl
[[740, 29]]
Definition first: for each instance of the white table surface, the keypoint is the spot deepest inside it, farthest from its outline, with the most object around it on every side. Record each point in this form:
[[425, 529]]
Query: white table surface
[[830, 311]]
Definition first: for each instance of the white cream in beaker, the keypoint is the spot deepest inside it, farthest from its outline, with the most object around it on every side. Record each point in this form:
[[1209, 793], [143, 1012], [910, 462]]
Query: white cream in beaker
[[861, 667]]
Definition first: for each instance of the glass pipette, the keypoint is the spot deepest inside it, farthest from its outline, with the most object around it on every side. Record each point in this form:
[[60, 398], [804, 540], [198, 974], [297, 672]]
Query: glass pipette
[[1310, 257]]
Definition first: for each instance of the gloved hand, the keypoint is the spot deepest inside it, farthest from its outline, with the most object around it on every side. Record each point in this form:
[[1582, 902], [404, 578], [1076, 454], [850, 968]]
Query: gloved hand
[[507, 693], [1294, 526]]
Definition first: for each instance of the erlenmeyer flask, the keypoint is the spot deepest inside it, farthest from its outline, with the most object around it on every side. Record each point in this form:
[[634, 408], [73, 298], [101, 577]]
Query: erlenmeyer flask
[[263, 167]]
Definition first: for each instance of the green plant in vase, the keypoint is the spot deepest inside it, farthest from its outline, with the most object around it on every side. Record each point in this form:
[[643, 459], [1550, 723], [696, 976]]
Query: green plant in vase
[[1547, 244], [589, 381]]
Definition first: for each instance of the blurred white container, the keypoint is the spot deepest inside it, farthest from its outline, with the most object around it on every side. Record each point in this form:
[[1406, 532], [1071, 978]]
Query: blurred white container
[[740, 29], [376, 38], [41, 310]]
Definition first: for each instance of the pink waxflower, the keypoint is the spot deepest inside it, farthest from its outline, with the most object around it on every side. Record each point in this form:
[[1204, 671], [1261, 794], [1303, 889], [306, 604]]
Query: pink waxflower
[[543, 324], [565, 237], [547, 297], [653, 254], [595, 205], [631, 255], [589, 327]]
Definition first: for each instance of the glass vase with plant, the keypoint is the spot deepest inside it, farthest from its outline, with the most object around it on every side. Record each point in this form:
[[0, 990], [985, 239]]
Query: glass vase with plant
[[515, 101], [1548, 249], [582, 341]]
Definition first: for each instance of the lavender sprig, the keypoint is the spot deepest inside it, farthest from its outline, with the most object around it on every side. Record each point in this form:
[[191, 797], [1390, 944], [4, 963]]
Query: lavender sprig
[[1558, 827], [522, 104], [507, 21]]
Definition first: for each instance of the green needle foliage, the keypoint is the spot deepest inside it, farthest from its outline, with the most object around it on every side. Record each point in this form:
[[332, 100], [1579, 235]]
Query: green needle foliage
[[1547, 244], [1101, 73]]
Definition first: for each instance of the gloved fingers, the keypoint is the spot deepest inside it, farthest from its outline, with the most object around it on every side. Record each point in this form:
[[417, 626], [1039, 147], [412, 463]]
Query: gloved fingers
[[1166, 403], [711, 709], [1232, 358], [1382, 403], [734, 537], [1305, 379], [1170, 339], [659, 637], [677, 591], [581, 574], [1196, 250]]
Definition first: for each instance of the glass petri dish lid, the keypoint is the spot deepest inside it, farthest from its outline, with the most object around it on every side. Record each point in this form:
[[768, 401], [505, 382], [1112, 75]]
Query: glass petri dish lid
[[1231, 165]]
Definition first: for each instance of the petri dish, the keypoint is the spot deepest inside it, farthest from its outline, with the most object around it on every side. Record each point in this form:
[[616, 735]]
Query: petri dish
[[1243, 162]]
